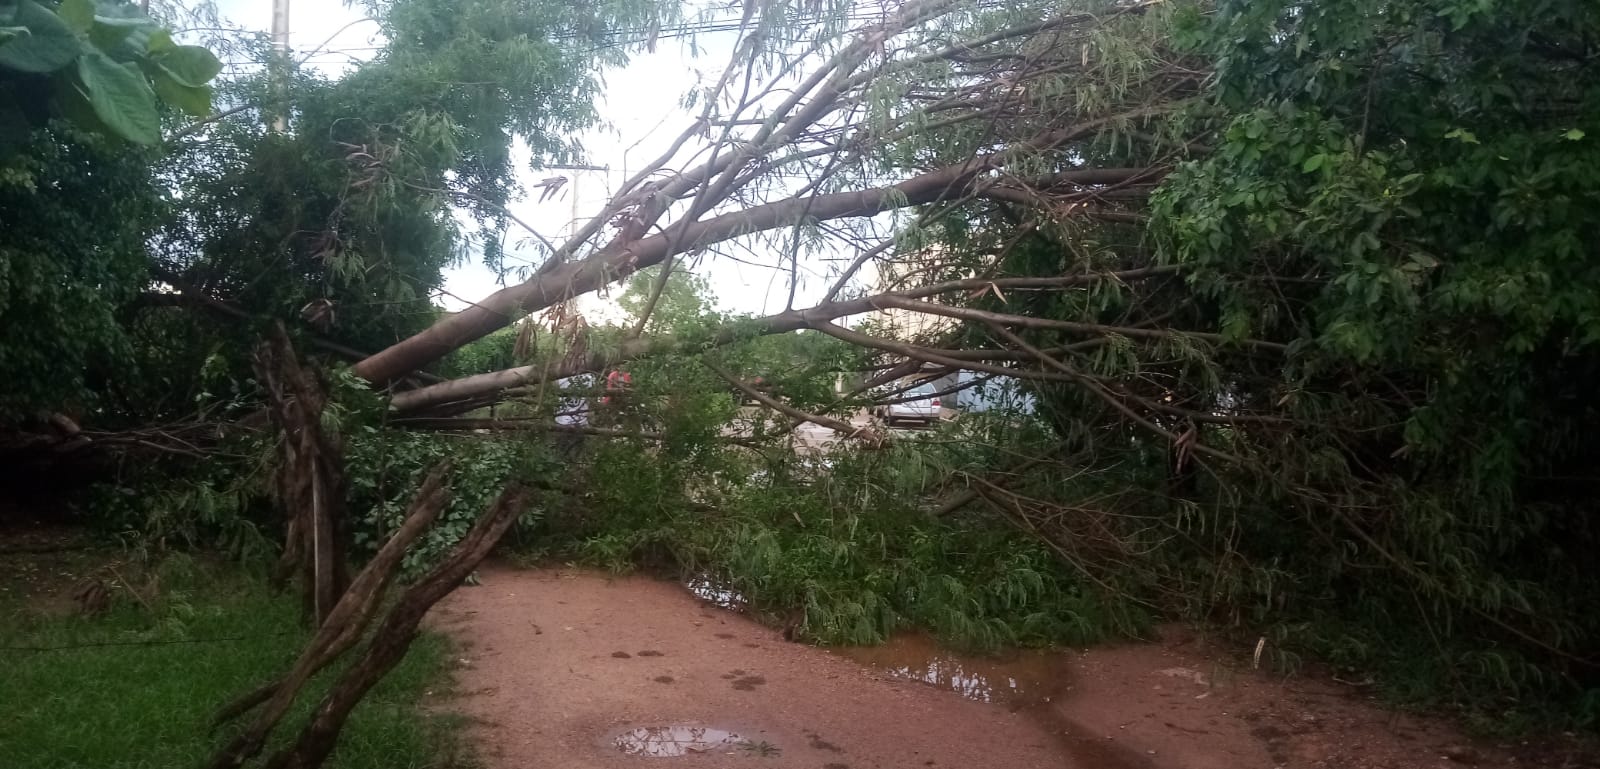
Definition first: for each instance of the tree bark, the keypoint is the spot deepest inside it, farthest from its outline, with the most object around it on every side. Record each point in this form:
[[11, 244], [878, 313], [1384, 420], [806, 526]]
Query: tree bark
[[394, 636], [345, 626], [469, 388], [308, 478], [622, 258]]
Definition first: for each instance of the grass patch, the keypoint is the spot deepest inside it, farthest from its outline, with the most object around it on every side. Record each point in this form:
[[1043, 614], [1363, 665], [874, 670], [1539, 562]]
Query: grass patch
[[135, 687]]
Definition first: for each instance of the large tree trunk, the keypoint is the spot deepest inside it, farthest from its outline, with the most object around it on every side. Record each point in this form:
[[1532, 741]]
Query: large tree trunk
[[623, 257], [468, 389], [347, 622], [308, 478], [394, 636]]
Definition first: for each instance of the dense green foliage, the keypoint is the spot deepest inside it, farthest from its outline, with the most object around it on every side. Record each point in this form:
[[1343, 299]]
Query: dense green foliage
[[1383, 217], [833, 547], [1363, 428], [138, 686], [386, 466], [340, 227], [76, 213], [1409, 194], [100, 64], [77, 202]]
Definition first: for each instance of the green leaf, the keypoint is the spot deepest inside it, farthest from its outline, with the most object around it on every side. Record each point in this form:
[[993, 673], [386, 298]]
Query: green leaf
[[123, 16], [73, 104], [77, 14], [160, 41], [1574, 134], [49, 45], [1313, 163], [108, 36], [190, 65], [1463, 134], [194, 100], [121, 98]]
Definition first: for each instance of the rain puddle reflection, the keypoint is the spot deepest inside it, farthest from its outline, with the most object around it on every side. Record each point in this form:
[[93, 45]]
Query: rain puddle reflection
[[666, 741], [1020, 680]]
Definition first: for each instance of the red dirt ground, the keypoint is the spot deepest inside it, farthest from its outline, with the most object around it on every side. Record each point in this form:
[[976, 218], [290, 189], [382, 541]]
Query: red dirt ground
[[555, 664]]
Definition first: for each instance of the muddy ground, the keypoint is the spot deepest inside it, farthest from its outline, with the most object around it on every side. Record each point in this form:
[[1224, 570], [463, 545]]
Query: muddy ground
[[565, 669]]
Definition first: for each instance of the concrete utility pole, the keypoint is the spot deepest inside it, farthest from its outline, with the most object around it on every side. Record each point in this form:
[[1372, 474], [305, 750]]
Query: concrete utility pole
[[280, 46], [572, 226]]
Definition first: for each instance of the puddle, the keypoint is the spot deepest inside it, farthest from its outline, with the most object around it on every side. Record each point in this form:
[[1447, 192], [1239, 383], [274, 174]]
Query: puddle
[[715, 593], [667, 741], [1024, 681], [1019, 680]]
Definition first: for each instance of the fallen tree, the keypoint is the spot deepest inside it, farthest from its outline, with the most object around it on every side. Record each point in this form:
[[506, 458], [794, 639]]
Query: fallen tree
[[817, 113], [1301, 294]]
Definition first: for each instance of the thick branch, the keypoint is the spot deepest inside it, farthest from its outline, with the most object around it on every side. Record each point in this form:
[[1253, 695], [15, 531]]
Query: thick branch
[[620, 259], [474, 387], [1028, 321]]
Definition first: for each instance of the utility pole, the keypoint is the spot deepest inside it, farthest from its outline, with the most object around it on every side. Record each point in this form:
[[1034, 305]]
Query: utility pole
[[280, 48], [573, 223]]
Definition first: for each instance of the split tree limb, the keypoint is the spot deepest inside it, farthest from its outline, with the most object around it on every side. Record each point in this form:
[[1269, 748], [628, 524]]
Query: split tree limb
[[391, 640], [345, 626]]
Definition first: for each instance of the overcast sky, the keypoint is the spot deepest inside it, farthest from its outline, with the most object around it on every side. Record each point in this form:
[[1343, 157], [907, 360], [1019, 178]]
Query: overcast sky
[[641, 108]]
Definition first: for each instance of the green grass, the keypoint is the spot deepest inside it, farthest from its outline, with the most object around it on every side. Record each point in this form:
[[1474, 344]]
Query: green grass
[[143, 697]]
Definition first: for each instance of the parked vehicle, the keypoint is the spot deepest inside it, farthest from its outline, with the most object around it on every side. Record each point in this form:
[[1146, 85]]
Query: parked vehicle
[[994, 393], [918, 404]]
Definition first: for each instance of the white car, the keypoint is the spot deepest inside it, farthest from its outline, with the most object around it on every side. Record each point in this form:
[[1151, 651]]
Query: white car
[[919, 405]]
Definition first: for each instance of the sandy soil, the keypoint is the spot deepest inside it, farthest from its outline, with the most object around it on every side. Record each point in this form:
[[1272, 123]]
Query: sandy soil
[[547, 681], [556, 665]]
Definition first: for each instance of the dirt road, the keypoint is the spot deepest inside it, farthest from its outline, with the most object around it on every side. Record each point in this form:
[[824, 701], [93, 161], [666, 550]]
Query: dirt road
[[577, 670]]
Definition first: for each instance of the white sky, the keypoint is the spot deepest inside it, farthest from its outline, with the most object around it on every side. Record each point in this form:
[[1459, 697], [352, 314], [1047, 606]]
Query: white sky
[[641, 106]]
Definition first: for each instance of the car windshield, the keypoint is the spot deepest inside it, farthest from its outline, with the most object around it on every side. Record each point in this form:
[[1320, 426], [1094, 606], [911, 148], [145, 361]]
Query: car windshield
[[920, 391]]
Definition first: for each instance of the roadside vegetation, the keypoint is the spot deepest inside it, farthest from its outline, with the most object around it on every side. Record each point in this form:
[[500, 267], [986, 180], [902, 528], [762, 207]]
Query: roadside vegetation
[[135, 681]]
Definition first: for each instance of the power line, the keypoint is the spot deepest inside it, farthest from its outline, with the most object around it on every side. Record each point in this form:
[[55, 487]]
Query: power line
[[644, 35]]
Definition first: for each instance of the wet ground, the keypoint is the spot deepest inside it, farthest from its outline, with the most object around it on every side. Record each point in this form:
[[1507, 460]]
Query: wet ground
[[1026, 680], [578, 670]]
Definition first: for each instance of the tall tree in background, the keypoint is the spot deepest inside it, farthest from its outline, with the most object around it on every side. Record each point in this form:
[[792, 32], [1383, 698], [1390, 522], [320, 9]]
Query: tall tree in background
[[343, 225]]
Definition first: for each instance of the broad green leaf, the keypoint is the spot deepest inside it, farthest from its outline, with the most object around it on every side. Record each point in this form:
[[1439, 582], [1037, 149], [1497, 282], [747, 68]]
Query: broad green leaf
[[1313, 163], [48, 46], [124, 36], [160, 42], [190, 65], [73, 104], [108, 36], [1574, 134], [194, 100], [77, 14], [121, 98], [122, 16]]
